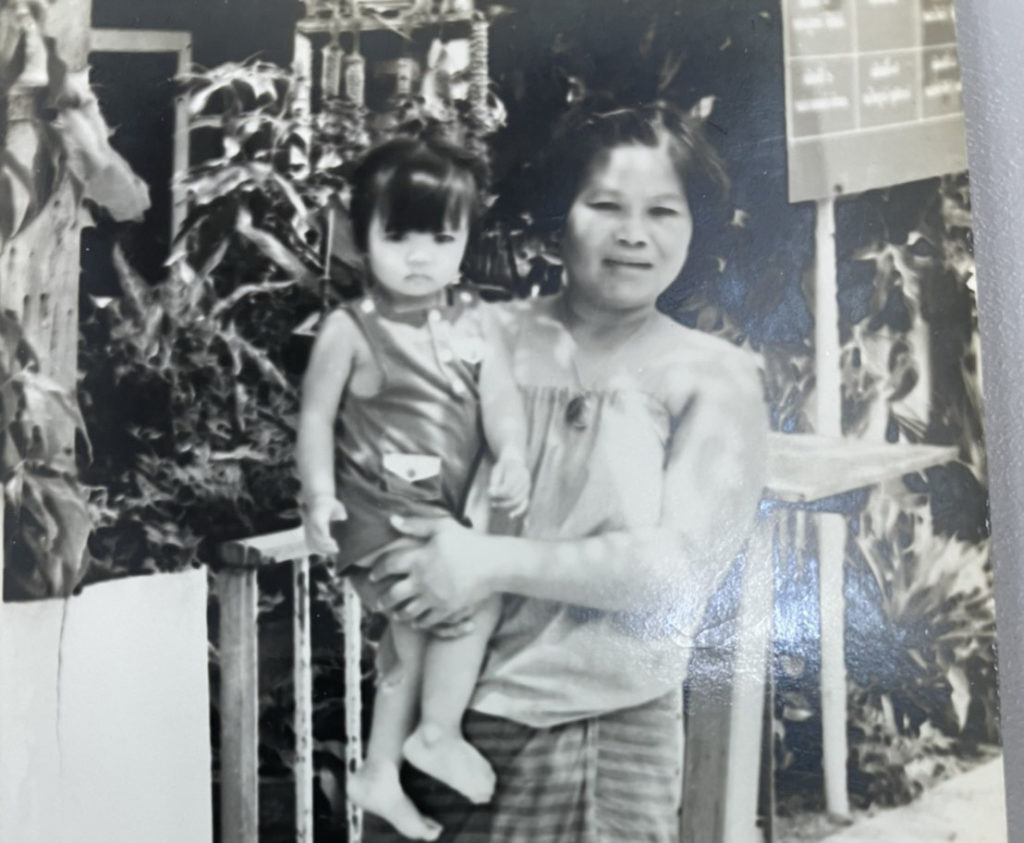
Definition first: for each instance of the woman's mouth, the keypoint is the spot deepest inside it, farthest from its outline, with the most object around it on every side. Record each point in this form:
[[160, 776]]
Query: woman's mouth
[[623, 263]]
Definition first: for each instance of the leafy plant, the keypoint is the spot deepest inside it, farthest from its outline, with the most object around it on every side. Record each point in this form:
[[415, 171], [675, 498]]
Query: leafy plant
[[921, 613], [920, 655], [280, 185], [192, 417], [46, 514], [906, 279], [55, 135], [259, 199], [888, 768]]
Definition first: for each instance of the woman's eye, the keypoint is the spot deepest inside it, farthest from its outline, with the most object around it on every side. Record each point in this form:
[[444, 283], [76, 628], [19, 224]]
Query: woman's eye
[[605, 205], [662, 211]]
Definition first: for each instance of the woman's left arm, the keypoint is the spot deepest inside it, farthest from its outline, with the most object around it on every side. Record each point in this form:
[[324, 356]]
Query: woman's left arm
[[714, 476]]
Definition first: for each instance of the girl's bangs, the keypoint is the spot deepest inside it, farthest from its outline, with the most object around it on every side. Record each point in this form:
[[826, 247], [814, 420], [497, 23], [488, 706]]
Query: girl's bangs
[[413, 199]]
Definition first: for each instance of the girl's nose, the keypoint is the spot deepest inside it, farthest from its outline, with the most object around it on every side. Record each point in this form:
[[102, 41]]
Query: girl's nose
[[417, 254]]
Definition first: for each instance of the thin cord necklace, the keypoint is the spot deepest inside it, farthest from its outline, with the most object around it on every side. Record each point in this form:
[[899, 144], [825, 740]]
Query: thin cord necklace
[[580, 409]]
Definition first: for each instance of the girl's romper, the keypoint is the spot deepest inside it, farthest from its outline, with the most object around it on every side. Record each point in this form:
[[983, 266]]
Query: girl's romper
[[410, 448]]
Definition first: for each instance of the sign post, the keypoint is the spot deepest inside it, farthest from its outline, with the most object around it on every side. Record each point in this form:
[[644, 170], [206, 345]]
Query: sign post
[[872, 100]]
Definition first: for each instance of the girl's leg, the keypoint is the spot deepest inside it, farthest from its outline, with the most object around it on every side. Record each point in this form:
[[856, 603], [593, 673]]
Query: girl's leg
[[450, 671], [375, 786]]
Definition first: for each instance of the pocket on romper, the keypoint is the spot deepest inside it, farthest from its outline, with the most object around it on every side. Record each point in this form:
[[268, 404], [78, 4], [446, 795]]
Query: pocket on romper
[[415, 475]]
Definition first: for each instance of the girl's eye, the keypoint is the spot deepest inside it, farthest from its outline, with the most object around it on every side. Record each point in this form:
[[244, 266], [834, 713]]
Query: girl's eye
[[394, 236], [444, 238]]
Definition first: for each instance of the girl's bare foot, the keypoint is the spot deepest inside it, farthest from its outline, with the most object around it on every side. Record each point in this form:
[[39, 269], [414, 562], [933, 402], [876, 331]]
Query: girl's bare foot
[[375, 788], [447, 757]]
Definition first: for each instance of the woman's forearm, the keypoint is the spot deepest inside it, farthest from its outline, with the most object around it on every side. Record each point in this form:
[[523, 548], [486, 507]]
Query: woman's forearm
[[712, 483], [643, 569]]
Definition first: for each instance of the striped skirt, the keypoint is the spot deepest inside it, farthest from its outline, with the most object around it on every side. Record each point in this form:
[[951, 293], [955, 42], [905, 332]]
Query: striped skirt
[[606, 780]]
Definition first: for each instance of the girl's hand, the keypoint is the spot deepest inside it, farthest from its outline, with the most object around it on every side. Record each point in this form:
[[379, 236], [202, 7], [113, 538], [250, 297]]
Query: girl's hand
[[317, 516], [459, 624], [436, 579], [510, 485]]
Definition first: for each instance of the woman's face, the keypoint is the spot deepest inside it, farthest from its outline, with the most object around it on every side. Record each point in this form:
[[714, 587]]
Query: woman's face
[[628, 232]]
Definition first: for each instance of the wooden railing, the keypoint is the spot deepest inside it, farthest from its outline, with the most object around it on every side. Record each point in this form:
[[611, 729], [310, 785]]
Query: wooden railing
[[238, 592], [731, 745]]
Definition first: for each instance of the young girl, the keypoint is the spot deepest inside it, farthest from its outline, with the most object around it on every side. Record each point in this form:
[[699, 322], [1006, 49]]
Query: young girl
[[415, 374]]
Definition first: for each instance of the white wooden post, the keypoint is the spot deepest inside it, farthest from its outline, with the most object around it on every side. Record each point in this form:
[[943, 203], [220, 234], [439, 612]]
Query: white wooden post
[[302, 64], [239, 706], [3, 544], [722, 765], [303, 673], [831, 527], [181, 144], [743, 770], [353, 701]]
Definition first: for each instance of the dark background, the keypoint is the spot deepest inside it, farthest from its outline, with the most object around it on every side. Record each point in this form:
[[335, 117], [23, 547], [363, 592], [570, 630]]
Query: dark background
[[136, 93], [636, 50]]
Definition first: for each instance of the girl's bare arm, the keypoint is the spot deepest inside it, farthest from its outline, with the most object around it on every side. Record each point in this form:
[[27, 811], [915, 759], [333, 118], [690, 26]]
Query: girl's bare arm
[[501, 407], [330, 364]]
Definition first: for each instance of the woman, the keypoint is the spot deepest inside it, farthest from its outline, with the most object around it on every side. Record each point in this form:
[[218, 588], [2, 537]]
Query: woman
[[646, 447]]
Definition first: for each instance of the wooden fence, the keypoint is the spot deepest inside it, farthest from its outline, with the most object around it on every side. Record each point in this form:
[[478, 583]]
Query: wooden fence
[[722, 773], [237, 590]]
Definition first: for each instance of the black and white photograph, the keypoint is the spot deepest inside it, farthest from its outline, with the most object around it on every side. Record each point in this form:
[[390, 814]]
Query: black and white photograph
[[545, 421]]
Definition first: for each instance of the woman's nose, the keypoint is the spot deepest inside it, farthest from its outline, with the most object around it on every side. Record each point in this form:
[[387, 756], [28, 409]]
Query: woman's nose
[[631, 232]]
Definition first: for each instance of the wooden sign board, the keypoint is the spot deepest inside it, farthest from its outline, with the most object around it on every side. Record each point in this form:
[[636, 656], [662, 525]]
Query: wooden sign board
[[872, 94]]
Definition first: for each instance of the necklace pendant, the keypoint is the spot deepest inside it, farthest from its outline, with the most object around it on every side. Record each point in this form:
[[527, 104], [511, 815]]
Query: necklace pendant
[[577, 412]]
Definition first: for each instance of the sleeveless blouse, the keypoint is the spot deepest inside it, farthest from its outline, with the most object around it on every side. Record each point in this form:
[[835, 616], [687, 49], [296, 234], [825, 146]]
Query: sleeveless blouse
[[598, 455]]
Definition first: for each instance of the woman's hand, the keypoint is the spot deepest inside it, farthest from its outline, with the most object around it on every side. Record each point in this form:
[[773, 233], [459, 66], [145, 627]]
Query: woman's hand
[[436, 580], [317, 516]]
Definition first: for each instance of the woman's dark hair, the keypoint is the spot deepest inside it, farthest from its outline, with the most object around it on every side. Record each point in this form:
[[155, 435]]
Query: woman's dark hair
[[416, 184], [585, 135]]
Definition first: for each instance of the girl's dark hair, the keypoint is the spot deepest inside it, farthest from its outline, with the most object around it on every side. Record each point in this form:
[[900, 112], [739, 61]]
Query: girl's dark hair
[[586, 134], [416, 184]]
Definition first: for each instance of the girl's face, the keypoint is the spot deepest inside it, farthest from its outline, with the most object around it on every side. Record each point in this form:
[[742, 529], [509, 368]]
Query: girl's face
[[628, 233], [414, 266]]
